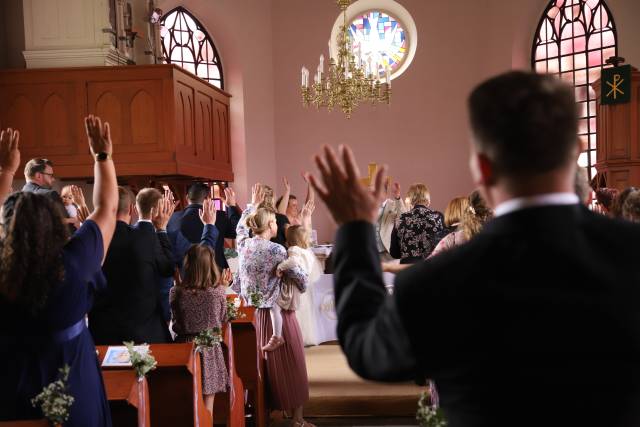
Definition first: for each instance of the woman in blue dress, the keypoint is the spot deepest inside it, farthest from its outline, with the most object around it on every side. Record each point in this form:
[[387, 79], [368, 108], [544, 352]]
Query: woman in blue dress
[[47, 281]]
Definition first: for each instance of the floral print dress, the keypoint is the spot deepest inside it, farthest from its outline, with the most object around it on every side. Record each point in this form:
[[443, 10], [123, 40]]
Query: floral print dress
[[257, 262], [193, 311], [416, 234]]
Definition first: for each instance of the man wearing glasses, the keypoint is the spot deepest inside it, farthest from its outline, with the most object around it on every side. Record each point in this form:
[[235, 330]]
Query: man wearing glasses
[[39, 176]]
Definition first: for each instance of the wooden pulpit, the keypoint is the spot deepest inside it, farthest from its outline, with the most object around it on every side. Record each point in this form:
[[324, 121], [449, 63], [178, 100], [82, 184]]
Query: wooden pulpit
[[165, 122], [618, 133]]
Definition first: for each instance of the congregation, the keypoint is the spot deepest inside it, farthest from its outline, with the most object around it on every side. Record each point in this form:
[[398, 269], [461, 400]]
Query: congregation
[[133, 268]]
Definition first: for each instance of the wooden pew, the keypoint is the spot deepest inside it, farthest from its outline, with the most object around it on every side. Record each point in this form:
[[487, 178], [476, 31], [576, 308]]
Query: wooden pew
[[128, 398], [248, 363], [26, 423], [175, 386], [229, 407]]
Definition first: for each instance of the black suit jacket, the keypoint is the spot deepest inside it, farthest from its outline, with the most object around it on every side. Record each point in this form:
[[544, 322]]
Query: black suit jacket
[[535, 322], [188, 222], [129, 309]]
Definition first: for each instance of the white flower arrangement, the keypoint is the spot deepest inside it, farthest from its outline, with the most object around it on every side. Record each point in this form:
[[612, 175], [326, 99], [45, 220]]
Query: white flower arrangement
[[53, 400]]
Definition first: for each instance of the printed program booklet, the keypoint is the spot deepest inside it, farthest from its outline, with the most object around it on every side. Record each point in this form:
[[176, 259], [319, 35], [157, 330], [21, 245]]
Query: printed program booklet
[[119, 355]]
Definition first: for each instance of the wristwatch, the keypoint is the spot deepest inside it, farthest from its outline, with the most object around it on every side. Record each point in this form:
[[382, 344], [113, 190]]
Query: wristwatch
[[102, 156]]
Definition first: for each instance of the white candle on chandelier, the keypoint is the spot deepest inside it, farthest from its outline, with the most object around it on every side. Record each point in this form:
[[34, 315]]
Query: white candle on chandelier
[[302, 71], [388, 72], [329, 44], [369, 68], [322, 63]]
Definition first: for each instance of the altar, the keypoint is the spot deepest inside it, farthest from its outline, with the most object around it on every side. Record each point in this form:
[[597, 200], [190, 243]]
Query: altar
[[317, 311]]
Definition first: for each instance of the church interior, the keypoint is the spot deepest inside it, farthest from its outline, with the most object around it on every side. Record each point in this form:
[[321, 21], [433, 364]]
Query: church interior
[[220, 92]]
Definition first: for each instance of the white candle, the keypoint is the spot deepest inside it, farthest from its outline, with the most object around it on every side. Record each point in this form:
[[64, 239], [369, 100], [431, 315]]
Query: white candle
[[369, 66], [388, 76], [322, 63], [329, 44], [302, 72]]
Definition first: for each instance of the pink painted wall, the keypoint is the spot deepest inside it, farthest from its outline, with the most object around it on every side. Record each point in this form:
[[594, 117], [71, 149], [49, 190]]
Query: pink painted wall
[[423, 135]]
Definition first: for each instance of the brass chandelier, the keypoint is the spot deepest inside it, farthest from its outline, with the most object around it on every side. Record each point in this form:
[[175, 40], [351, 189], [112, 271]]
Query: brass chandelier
[[350, 80]]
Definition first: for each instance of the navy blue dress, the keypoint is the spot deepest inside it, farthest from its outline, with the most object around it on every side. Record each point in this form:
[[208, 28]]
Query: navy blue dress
[[34, 348]]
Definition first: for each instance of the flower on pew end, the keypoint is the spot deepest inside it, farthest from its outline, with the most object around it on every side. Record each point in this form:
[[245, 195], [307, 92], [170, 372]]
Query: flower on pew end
[[207, 339], [53, 400], [142, 362], [233, 310], [429, 415]]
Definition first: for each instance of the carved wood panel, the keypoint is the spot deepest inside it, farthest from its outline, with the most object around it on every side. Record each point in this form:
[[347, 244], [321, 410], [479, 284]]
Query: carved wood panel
[[164, 121], [53, 106], [131, 108]]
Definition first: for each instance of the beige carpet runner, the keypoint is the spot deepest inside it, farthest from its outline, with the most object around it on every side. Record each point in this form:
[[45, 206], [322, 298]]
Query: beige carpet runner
[[335, 391]]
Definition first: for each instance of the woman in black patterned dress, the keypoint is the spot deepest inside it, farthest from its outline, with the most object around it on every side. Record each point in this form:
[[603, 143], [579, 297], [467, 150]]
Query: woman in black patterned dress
[[197, 304], [418, 231]]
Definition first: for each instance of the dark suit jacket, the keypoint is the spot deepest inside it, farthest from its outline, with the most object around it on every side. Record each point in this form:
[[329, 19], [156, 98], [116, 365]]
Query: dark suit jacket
[[535, 322], [187, 221], [129, 309]]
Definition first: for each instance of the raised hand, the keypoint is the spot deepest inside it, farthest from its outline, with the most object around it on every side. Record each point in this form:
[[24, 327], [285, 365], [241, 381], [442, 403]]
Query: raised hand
[[9, 152], [99, 135], [83, 213], [307, 209], [257, 194], [208, 212], [396, 190], [226, 277], [230, 197], [78, 196], [346, 198], [311, 195], [287, 186], [161, 214]]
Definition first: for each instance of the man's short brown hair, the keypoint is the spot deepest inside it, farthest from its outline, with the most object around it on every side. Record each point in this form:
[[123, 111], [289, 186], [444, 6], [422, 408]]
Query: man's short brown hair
[[125, 199], [34, 166], [147, 199]]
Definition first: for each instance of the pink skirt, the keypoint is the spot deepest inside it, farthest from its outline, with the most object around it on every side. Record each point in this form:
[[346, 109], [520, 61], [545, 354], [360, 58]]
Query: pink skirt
[[286, 370]]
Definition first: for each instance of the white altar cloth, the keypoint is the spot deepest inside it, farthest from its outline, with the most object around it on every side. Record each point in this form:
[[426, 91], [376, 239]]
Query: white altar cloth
[[317, 311]]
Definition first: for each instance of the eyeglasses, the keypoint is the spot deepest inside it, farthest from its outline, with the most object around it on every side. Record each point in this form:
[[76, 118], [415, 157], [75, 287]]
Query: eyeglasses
[[46, 173]]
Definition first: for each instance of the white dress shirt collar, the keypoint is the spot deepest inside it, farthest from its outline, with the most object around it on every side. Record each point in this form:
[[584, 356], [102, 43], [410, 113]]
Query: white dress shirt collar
[[145, 220], [548, 199]]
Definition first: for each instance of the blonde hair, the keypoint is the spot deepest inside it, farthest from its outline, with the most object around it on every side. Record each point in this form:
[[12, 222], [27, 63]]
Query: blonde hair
[[200, 269], [259, 221], [297, 235], [147, 199], [455, 211], [268, 201], [475, 216], [418, 194]]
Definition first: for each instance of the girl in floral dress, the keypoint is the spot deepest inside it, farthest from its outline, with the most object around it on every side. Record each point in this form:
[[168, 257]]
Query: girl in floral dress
[[199, 303]]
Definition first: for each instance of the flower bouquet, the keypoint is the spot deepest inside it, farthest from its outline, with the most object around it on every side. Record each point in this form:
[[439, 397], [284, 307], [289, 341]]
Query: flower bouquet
[[54, 401]]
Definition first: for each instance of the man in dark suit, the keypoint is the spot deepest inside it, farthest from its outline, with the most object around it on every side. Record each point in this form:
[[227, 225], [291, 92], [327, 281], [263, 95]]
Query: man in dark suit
[[535, 321], [187, 221], [129, 309]]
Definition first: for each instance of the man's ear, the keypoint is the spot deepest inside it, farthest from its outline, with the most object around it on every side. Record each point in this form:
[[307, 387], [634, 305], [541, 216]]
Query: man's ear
[[482, 170]]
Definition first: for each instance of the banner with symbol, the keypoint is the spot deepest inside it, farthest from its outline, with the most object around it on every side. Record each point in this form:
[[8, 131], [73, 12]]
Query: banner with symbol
[[616, 85]]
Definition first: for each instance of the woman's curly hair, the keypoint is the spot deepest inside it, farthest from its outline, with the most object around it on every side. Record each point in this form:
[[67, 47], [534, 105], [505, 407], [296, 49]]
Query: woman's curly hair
[[31, 261], [476, 215]]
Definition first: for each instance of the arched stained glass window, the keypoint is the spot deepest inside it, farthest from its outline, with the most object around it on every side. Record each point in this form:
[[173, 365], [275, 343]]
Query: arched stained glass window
[[185, 42], [573, 40]]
